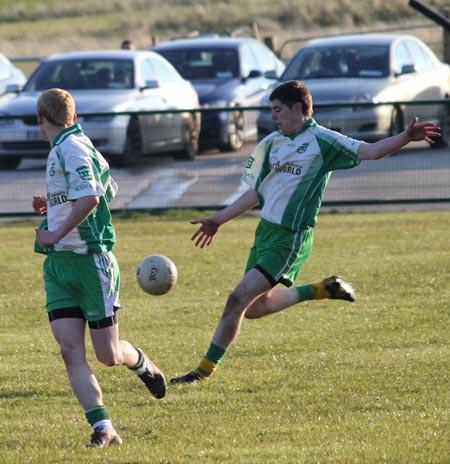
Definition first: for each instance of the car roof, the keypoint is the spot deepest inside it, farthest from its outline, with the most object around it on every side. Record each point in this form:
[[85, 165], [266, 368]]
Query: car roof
[[102, 54], [202, 42], [360, 39]]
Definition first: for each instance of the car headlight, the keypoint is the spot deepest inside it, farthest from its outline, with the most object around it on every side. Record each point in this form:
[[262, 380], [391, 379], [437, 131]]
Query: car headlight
[[364, 98]]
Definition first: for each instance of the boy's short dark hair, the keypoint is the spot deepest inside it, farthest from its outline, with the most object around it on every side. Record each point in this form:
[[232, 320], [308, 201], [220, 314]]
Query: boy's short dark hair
[[291, 92]]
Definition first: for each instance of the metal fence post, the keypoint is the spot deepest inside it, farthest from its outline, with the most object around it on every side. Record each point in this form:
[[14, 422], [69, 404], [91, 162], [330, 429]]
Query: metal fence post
[[446, 38]]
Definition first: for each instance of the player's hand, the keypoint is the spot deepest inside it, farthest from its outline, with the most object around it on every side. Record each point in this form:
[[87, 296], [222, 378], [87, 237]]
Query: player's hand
[[205, 232], [39, 205], [422, 131], [46, 238]]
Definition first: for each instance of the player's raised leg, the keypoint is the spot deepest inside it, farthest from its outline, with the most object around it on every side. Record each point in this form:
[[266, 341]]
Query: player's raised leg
[[277, 299]]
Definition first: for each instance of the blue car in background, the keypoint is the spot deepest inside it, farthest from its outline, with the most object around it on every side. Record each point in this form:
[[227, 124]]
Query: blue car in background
[[226, 72]]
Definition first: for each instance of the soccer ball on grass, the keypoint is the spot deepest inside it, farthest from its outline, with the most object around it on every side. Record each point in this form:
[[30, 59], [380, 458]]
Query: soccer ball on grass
[[156, 274]]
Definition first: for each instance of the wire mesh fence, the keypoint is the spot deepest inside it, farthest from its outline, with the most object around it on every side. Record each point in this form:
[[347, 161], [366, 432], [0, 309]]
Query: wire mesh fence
[[417, 174]]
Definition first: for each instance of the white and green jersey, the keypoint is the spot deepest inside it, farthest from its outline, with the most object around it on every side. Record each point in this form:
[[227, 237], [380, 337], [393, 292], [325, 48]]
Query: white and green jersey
[[76, 169], [290, 173]]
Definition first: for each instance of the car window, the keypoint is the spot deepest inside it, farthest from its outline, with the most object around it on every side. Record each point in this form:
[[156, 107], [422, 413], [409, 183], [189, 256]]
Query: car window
[[82, 74], [249, 60], [419, 57], [346, 61], [225, 63], [204, 63], [265, 57], [147, 73], [166, 72], [401, 57]]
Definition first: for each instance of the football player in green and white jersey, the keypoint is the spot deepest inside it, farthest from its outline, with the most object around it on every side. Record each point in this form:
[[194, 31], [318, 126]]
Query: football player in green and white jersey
[[81, 273], [287, 173]]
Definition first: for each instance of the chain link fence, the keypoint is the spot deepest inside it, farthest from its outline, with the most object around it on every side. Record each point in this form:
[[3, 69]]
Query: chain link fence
[[418, 174]]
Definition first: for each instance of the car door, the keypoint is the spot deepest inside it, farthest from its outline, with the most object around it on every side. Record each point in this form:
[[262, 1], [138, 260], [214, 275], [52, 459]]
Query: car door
[[155, 128], [254, 82], [177, 96], [416, 78]]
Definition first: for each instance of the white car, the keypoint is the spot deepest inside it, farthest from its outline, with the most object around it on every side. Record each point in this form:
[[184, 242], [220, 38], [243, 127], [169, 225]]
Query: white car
[[353, 69], [10, 75], [130, 103]]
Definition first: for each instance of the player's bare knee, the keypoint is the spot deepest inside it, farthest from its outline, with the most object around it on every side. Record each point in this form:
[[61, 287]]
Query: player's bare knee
[[72, 355], [235, 302]]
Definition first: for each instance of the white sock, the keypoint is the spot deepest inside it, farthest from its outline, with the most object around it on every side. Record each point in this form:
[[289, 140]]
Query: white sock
[[104, 424]]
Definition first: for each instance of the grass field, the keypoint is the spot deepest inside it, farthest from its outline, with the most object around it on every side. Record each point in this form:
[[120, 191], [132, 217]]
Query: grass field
[[323, 382]]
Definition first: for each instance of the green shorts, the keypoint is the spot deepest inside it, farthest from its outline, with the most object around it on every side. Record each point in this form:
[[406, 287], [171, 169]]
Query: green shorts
[[279, 253], [90, 282]]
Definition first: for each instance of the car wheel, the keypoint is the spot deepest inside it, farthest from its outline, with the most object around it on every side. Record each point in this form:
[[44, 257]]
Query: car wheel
[[190, 140], [444, 139], [133, 145], [236, 126], [9, 162], [397, 122]]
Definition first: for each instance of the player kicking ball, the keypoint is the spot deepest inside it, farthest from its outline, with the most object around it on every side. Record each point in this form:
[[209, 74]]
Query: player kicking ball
[[287, 173], [81, 273]]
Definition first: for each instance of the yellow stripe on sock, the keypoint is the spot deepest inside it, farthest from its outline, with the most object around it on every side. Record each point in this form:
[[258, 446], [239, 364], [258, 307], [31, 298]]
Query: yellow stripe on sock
[[319, 291], [206, 367]]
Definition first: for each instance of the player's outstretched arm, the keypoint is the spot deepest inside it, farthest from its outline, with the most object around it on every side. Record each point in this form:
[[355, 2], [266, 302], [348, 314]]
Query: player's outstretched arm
[[210, 225], [415, 132]]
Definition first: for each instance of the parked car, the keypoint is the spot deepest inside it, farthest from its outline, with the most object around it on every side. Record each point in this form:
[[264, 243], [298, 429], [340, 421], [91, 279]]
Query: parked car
[[369, 68], [227, 72], [9, 75], [110, 82]]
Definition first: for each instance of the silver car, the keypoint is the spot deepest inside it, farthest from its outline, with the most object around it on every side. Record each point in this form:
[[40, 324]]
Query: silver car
[[366, 69], [107, 86]]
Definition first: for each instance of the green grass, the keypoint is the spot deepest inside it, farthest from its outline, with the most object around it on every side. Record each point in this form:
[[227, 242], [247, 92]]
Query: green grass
[[323, 382]]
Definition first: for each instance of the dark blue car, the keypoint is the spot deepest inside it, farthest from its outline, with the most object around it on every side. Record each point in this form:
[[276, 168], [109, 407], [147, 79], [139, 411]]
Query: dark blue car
[[227, 72]]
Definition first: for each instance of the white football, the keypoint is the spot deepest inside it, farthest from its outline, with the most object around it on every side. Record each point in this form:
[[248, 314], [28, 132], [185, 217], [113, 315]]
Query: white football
[[156, 274]]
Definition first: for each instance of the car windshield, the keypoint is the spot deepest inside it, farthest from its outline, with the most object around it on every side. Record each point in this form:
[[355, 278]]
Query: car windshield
[[206, 63], [347, 61], [82, 74]]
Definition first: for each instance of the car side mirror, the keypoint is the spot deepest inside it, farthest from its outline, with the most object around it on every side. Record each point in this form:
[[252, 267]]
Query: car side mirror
[[13, 88], [151, 84], [272, 74], [254, 73], [408, 69]]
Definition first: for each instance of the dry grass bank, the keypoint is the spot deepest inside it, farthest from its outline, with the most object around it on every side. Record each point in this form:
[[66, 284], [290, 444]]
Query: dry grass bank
[[43, 27]]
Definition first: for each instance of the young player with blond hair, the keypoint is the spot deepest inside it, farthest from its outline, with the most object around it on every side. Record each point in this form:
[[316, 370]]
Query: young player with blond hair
[[81, 273]]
